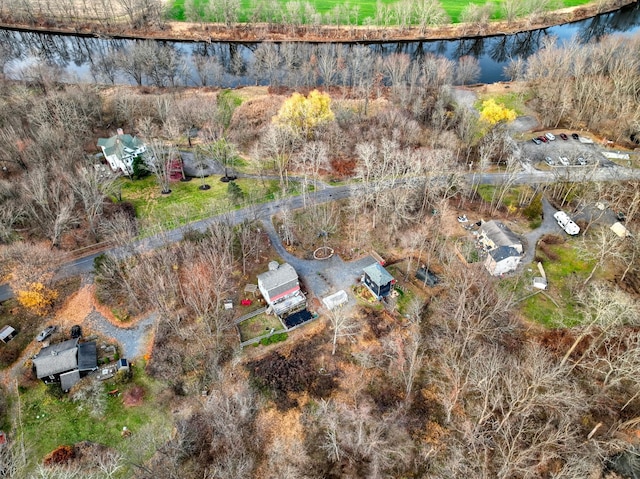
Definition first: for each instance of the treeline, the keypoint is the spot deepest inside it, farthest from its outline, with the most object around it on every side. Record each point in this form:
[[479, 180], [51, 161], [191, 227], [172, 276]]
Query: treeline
[[594, 86], [295, 17]]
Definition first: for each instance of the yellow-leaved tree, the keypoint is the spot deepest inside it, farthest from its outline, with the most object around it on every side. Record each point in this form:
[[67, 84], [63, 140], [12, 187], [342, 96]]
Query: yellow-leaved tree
[[37, 298], [494, 113], [29, 269], [304, 114]]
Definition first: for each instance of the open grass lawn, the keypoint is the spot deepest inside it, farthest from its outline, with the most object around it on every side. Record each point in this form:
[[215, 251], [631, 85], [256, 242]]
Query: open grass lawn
[[366, 8], [569, 269], [258, 325], [48, 422], [187, 203]]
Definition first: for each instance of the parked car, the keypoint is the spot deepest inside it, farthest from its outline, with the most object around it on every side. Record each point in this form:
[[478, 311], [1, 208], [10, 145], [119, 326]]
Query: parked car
[[575, 136], [549, 161], [564, 136], [45, 333], [621, 216], [550, 136], [581, 161], [536, 141], [543, 139], [76, 331], [564, 161]]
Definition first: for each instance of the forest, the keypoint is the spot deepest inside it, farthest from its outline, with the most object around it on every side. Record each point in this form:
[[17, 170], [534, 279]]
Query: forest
[[458, 380]]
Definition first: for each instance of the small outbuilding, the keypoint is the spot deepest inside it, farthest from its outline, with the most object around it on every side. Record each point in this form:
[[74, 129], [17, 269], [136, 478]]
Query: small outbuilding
[[7, 333], [378, 280]]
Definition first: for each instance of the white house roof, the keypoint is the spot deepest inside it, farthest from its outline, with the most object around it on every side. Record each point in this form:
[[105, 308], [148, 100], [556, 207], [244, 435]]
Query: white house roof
[[271, 280], [499, 233]]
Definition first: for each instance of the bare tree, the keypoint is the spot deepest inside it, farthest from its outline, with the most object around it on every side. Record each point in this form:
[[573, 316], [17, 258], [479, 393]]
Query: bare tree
[[343, 326], [159, 160], [93, 185]]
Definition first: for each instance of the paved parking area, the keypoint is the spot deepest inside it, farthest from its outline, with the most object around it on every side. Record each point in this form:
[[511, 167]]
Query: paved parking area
[[570, 149]]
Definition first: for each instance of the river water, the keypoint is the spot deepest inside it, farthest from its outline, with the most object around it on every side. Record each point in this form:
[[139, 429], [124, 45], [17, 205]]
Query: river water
[[233, 61]]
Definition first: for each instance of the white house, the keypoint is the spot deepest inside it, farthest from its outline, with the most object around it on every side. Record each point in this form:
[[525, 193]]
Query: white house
[[501, 260], [281, 288], [120, 150]]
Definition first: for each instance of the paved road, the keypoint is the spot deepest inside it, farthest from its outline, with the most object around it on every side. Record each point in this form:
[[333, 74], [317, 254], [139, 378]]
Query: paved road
[[266, 210]]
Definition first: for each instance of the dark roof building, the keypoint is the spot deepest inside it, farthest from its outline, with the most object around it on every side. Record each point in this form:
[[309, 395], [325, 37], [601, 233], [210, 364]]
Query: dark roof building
[[378, 280], [66, 362]]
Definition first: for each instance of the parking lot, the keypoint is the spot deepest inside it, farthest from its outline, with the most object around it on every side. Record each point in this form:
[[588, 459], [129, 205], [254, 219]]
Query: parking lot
[[564, 153]]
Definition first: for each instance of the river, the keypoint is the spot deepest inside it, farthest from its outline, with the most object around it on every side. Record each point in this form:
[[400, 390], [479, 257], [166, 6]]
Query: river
[[234, 64]]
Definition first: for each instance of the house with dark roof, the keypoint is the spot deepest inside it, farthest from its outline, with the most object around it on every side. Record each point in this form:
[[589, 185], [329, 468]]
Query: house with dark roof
[[378, 280], [493, 234], [120, 150], [280, 288], [501, 260], [66, 362]]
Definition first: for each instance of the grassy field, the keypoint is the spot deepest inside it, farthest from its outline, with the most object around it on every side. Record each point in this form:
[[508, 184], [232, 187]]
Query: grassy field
[[186, 202], [48, 422], [571, 267], [258, 325], [365, 8]]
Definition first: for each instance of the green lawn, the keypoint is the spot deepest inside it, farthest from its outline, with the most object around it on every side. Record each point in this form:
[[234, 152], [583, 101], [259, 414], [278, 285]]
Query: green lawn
[[365, 8], [186, 202], [48, 422], [258, 325], [570, 268]]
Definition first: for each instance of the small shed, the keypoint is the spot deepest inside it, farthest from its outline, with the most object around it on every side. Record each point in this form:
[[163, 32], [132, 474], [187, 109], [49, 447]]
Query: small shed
[[7, 333], [540, 283], [620, 230], [378, 280]]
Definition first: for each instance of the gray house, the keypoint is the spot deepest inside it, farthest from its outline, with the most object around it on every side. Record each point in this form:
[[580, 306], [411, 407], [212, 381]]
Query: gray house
[[493, 234], [280, 288], [66, 362]]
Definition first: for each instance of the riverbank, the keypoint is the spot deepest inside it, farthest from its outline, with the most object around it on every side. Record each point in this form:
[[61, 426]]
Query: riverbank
[[184, 31]]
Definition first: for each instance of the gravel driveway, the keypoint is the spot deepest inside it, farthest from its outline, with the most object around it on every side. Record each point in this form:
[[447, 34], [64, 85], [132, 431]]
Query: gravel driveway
[[548, 226], [133, 340], [322, 277]]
